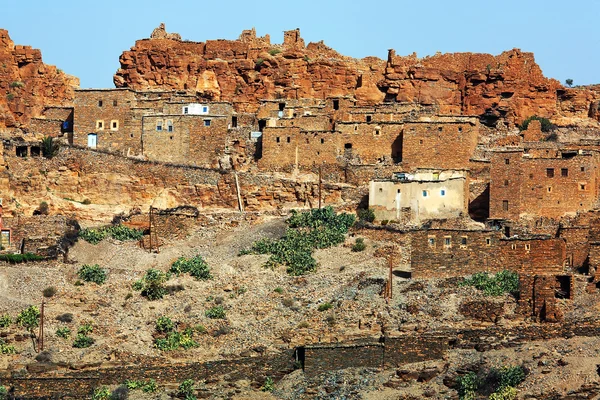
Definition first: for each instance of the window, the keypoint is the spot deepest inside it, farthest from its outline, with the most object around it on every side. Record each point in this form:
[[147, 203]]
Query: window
[[204, 109], [336, 104], [549, 189], [527, 247], [377, 132], [436, 176], [425, 193], [443, 192], [288, 139], [348, 146], [440, 129], [431, 241], [171, 137], [186, 110], [277, 139], [369, 118], [463, 241], [582, 169], [564, 172], [355, 127], [506, 182], [115, 102], [322, 140], [159, 125], [281, 106], [505, 205], [99, 124], [550, 172], [207, 122], [114, 125], [488, 241], [99, 103], [582, 186], [421, 141], [513, 246], [234, 122], [169, 126], [507, 161], [447, 241], [460, 128]]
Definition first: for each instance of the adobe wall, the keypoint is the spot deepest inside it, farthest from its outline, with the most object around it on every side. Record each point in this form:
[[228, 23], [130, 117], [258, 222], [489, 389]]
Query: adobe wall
[[44, 235], [578, 245], [323, 358]]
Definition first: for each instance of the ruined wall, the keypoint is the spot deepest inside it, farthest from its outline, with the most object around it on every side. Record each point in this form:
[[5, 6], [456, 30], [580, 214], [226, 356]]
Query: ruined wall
[[44, 235]]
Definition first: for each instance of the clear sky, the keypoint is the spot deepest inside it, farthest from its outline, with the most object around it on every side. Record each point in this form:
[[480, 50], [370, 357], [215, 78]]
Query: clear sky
[[86, 37]]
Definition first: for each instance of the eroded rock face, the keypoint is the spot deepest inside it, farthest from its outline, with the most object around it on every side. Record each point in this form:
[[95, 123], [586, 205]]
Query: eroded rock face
[[507, 87], [27, 84]]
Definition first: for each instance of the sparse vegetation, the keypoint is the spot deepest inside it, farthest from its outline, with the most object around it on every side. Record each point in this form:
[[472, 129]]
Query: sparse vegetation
[[502, 382], [92, 273], [467, 386], [82, 341], [118, 232], [547, 126], [49, 292], [494, 285], [5, 321], [29, 318], [274, 52], [175, 340], [324, 306], [17, 84], [366, 215], [3, 393], [259, 62], [6, 348], [195, 266], [278, 290], [151, 285], [20, 258], [269, 385], [216, 312], [10, 96], [85, 329], [164, 325], [359, 245], [315, 229], [186, 389], [63, 332], [147, 386], [50, 147], [101, 393]]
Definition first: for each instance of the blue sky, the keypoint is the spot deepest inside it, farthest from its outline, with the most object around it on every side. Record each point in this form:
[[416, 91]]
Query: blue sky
[[85, 37]]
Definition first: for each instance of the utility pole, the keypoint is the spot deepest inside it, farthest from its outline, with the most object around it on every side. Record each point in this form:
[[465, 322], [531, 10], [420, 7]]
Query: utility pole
[[320, 184], [150, 229]]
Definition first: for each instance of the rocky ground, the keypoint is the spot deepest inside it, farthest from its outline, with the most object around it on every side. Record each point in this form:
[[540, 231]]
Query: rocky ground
[[267, 309]]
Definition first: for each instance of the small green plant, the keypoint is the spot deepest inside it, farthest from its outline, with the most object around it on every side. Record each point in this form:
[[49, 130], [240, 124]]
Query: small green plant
[[259, 62], [306, 58], [86, 202], [164, 325], [278, 290], [186, 389], [366, 214], [5, 321], [6, 348], [467, 386], [10, 96], [509, 376], [545, 123], [63, 332], [216, 312], [85, 329], [274, 51], [17, 84], [269, 385], [82, 341], [506, 393], [496, 285], [50, 147], [176, 340], [59, 71], [101, 393], [359, 245], [3, 393], [151, 285], [92, 273], [324, 307], [149, 386], [200, 328], [29, 319], [195, 266]]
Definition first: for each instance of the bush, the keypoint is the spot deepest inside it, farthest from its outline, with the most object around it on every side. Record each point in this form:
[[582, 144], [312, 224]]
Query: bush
[[6, 348], [467, 385], [50, 147], [152, 284], [507, 393], [186, 389], [366, 214], [269, 385], [164, 325], [10, 96], [3, 393], [278, 290], [509, 376], [175, 340], [85, 329], [48, 292], [274, 51], [63, 332], [217, 312], [195, 266], [5, 321], [29, 318], [497, 285], [101, 393], [149, 386], [20, 258], [359, 245], [547, 126], [17, 84], [92, 273], [324, 307], [259, 62], [118, 232], [82, 341]]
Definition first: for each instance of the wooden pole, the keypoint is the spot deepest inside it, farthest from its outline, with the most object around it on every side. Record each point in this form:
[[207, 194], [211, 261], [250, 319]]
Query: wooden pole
[[150, 223], [391, 278], [41, 339], [320, 185]]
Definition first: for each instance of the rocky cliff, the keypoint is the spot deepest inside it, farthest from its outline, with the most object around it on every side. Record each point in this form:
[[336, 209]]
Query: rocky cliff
[[27, 84], [509, 86]]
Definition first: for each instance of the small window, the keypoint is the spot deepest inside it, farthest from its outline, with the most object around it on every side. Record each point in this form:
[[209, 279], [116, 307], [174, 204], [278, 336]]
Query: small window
[[582, 169], [207, 122], [527, 247], [440, 129], [506, 182], [186, 110], [281, 106], [550, 172], [159, 126], [463, 241], [234, 121], [131, 135], [549, 189], [507, 161], [460, 128], [380, 190], [99, 124], [322, 140], [425, 193], [277, 139], [369, 118], [288, 139], [171, 137], [169, 126], [398, 191], [115, 103], [355, 127], [442, 192], [348, 146], [513, 246], [431, 241], [447, 241], [488, 241], [99, 103], [204, 109], [564, 172], [505, 205], [421, 141], [336, 104], [377, 132], [114, 125], [582, 186]]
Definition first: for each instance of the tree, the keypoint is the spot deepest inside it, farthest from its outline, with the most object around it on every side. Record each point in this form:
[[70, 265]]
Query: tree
[[30, 319], [49, 147], [569, 82]]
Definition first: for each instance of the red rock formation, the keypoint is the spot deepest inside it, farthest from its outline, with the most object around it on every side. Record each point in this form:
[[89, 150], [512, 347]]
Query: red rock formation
[[27, 84], [509, 86]]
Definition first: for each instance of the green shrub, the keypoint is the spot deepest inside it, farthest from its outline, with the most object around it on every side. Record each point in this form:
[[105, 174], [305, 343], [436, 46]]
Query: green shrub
[[496, 285], [195, 266], [10, 96], [3, 393], [569, 82], [101, 393], [48, 292], [274, 51], [359, 245], [547, 126], [278, 290], [186, 389], [152, 284], [216, 312], [85, 329], [63, 332], [29, 318], [259, 62], [118, 232], [509, 376], [17, 84], [164, 325], [82, 341], [6, 348], [315, 229], [467, 385], [149, 386], [269, 385], [176, 340], [366, 214], [50, 147], [92, 273], [5, 321], [506, 393], [324, 307], [20, 258]]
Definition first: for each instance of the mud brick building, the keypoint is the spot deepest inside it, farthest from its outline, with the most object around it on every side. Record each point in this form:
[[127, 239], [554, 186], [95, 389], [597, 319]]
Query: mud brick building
[[410, 198]]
